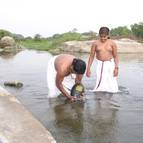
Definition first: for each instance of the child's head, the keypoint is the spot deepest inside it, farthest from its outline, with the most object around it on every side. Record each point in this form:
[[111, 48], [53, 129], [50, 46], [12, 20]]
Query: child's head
[[104, 33]]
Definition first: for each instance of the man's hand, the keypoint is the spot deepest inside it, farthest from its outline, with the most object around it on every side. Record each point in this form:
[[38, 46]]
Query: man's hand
[[88, 73], [116, 72], [73, 99]]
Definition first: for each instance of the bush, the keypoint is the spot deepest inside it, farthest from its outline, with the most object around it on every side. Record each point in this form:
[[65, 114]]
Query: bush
[[4, 33]]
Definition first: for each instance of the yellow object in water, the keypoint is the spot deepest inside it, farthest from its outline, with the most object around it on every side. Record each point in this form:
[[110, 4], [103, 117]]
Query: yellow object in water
[[79, 88]]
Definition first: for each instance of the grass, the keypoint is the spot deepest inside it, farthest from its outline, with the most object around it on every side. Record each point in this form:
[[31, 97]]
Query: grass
[[44, 45], [50, 43]]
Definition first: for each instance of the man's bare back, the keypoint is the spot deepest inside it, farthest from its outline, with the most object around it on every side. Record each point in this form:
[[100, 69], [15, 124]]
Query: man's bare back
[[63, 63]]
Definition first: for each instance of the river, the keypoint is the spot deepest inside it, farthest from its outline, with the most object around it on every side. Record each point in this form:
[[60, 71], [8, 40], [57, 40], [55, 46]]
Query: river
[[90, 121]]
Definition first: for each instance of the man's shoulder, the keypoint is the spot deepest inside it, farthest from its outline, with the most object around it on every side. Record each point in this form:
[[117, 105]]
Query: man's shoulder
[[66, 55]]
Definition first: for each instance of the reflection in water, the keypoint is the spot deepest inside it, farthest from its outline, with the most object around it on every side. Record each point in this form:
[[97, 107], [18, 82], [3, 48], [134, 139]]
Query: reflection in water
[[8, 55], [130, 57], [83, 122], [69, 122], [100, 123], [70, 116], [105, 122]]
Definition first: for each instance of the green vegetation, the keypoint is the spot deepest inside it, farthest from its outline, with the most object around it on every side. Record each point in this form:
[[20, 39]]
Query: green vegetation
[[37, 45], [121, 32], [49, 43], [56, 40], [4, 33], [137, 30]]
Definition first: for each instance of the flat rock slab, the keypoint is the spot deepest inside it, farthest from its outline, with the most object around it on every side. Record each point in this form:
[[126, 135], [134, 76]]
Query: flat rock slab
[[17, 125]]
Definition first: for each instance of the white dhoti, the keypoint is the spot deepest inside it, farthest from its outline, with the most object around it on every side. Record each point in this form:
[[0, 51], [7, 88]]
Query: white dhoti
[[68, 81], [105, 80]]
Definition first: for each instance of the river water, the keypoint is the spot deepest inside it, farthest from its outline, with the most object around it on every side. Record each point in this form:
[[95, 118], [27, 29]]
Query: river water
[[90, 121]]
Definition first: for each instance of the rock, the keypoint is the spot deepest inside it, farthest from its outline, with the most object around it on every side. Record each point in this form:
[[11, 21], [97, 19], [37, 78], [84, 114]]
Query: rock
[[76, 46], [123, 45], [129, 46], [8, 45], [1, 50], [13, 83], [7, 41]]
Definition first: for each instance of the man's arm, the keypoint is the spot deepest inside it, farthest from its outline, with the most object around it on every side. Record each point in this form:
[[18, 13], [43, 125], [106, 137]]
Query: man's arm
[[90, 60], [116, 59], [78, 78], [59, 79]]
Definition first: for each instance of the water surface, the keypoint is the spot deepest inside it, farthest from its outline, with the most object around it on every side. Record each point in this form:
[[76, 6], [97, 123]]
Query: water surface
[[91, 121]]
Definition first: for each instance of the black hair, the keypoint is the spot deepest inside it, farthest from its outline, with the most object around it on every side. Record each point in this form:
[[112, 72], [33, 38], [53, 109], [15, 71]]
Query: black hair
[[79, 66], [104, 30]]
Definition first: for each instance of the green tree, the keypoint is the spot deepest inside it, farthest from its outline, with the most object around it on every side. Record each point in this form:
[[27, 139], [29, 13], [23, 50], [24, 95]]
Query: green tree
[[37, 37], [18, 37], [137, 30], [121, 31], [89, 35], [4, 33]]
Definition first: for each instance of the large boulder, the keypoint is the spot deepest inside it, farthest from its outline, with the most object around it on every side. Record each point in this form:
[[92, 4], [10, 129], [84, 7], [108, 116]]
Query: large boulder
[[76, 46], [8, 45], [129, 46], [7, 41]]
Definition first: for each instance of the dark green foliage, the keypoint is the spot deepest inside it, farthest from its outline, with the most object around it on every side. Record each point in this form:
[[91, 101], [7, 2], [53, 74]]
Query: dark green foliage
[[37, 37], [121, 31], [4, 33], [137, 29]]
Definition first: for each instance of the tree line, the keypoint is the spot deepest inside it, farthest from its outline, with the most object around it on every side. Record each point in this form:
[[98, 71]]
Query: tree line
[[135, 31]]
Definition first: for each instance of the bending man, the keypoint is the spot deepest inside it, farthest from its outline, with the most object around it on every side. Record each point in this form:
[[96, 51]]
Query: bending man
[[63, 72]]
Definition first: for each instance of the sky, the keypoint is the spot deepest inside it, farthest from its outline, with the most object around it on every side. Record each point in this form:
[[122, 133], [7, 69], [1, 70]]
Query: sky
[[49, 17]]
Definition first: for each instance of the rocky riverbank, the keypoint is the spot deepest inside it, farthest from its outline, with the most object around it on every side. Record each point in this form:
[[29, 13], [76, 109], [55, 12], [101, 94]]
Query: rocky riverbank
[[17, 125], [124, 46]]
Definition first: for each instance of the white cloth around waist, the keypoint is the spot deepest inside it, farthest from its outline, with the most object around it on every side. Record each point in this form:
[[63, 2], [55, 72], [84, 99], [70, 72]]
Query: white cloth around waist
[[105, 80]]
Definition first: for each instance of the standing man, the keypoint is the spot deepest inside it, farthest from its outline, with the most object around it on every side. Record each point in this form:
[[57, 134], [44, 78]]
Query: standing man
[[107, 68], [63, 72]]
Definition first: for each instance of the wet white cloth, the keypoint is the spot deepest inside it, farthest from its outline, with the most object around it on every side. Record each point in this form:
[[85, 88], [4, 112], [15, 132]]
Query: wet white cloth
[[68, 81], [105, 80]]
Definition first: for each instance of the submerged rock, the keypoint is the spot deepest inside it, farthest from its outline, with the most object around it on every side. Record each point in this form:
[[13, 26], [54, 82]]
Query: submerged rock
[[13, 83]]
